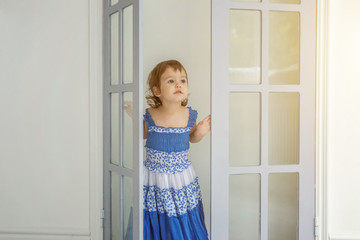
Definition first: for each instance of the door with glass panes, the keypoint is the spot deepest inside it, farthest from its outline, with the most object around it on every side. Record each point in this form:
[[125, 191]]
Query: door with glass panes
[[122, 215], [263, 119]]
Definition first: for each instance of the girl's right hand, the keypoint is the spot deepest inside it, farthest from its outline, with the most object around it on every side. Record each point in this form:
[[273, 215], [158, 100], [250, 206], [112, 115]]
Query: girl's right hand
[[129, 108]]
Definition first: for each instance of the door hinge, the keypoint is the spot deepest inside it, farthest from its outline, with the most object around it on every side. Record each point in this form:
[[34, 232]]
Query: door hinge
[[316, 226], [102, 217]]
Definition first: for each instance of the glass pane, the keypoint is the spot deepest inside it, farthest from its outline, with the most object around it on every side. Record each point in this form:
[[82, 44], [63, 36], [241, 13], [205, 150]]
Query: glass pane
[[244, 206], [244, 125], [115, 206], [128, 209], [244, 48], [114, 48], [128, 132], [284, 47], [128, 44], [283, 206], [115, 131], [112, 2], [285, 1], [284, 115]]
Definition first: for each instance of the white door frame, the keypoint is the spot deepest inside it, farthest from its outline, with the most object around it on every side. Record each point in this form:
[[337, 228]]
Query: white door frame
[[220, 117], [96, 82], [96, 116], [133, 85], [321, 119]]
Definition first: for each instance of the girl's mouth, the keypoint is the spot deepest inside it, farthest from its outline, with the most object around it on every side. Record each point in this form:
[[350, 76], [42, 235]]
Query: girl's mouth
[[177, 92]]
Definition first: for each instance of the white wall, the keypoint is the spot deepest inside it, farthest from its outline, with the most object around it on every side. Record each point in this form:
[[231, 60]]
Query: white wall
[[181, 30], [45, 126], [344, 120], [45, 107]]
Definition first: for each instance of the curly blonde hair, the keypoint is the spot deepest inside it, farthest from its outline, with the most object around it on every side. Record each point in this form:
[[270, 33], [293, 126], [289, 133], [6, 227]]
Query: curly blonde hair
[[154, 81]]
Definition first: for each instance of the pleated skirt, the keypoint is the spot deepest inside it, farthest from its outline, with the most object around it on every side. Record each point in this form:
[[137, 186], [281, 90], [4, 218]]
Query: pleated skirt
[[173, 208]]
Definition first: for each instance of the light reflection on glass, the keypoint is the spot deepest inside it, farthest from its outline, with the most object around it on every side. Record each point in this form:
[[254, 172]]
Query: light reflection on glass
[[244, 47], [284, 47]]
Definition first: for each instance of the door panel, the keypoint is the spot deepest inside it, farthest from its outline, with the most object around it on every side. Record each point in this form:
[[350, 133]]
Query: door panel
[[122, 120], [263, 122]]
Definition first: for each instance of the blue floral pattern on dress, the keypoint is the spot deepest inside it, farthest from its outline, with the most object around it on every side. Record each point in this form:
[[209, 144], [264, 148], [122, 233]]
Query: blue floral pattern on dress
[[165, 162], [172, 201]]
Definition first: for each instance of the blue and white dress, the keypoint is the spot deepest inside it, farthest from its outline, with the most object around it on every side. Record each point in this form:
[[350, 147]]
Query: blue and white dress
[[173, 208]]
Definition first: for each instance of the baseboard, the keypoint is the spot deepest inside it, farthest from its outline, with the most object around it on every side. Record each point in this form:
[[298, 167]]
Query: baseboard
[[344, 237], [40, 237], [44, 234]]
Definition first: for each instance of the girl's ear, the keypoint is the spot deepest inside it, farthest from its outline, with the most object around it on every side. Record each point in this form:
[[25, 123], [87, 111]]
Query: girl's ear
[[156, 91]]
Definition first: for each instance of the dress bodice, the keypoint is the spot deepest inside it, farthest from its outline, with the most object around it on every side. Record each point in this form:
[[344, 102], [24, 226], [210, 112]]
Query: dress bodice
[[172, 139]]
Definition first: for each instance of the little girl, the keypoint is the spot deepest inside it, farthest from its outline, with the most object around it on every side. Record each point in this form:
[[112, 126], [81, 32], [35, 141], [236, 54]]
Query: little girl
[[172, 200]]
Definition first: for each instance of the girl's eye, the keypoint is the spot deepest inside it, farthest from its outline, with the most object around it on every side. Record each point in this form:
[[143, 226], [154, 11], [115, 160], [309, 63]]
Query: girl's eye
[[170, 81], [183, 81]]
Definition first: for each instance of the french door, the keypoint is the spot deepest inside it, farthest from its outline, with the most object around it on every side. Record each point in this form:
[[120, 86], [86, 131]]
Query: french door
[[263, 119], [122, 120]]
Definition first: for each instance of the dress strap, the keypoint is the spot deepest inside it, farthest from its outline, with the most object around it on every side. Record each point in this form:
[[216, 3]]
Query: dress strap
[[192, 117], [148, 119]]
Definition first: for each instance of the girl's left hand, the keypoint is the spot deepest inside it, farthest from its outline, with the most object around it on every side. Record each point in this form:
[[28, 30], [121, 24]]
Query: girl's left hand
[[204, 126]]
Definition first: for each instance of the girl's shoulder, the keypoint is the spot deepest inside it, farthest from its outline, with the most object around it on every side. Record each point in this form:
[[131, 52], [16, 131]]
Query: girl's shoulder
[[148, 117], [151, 109], [192, 117]]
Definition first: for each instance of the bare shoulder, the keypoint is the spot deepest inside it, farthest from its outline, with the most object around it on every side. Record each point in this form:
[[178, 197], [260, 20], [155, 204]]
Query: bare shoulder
[[152, 111], [185, 112]]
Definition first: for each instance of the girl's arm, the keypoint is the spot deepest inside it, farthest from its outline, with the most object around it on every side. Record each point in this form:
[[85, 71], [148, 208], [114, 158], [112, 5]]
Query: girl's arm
[[200, 130], [129, 110], [145, 129]]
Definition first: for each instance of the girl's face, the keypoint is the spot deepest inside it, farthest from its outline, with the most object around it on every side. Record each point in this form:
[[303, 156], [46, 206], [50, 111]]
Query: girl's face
[[173, 86]]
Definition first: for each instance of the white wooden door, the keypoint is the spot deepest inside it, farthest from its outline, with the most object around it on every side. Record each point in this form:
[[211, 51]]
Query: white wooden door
[[263, 119], [122, 129]]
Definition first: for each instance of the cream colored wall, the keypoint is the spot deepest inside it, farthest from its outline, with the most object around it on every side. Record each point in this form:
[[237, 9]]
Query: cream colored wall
[[45, 126], [44, 103], [344, 120], [181, 30]]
